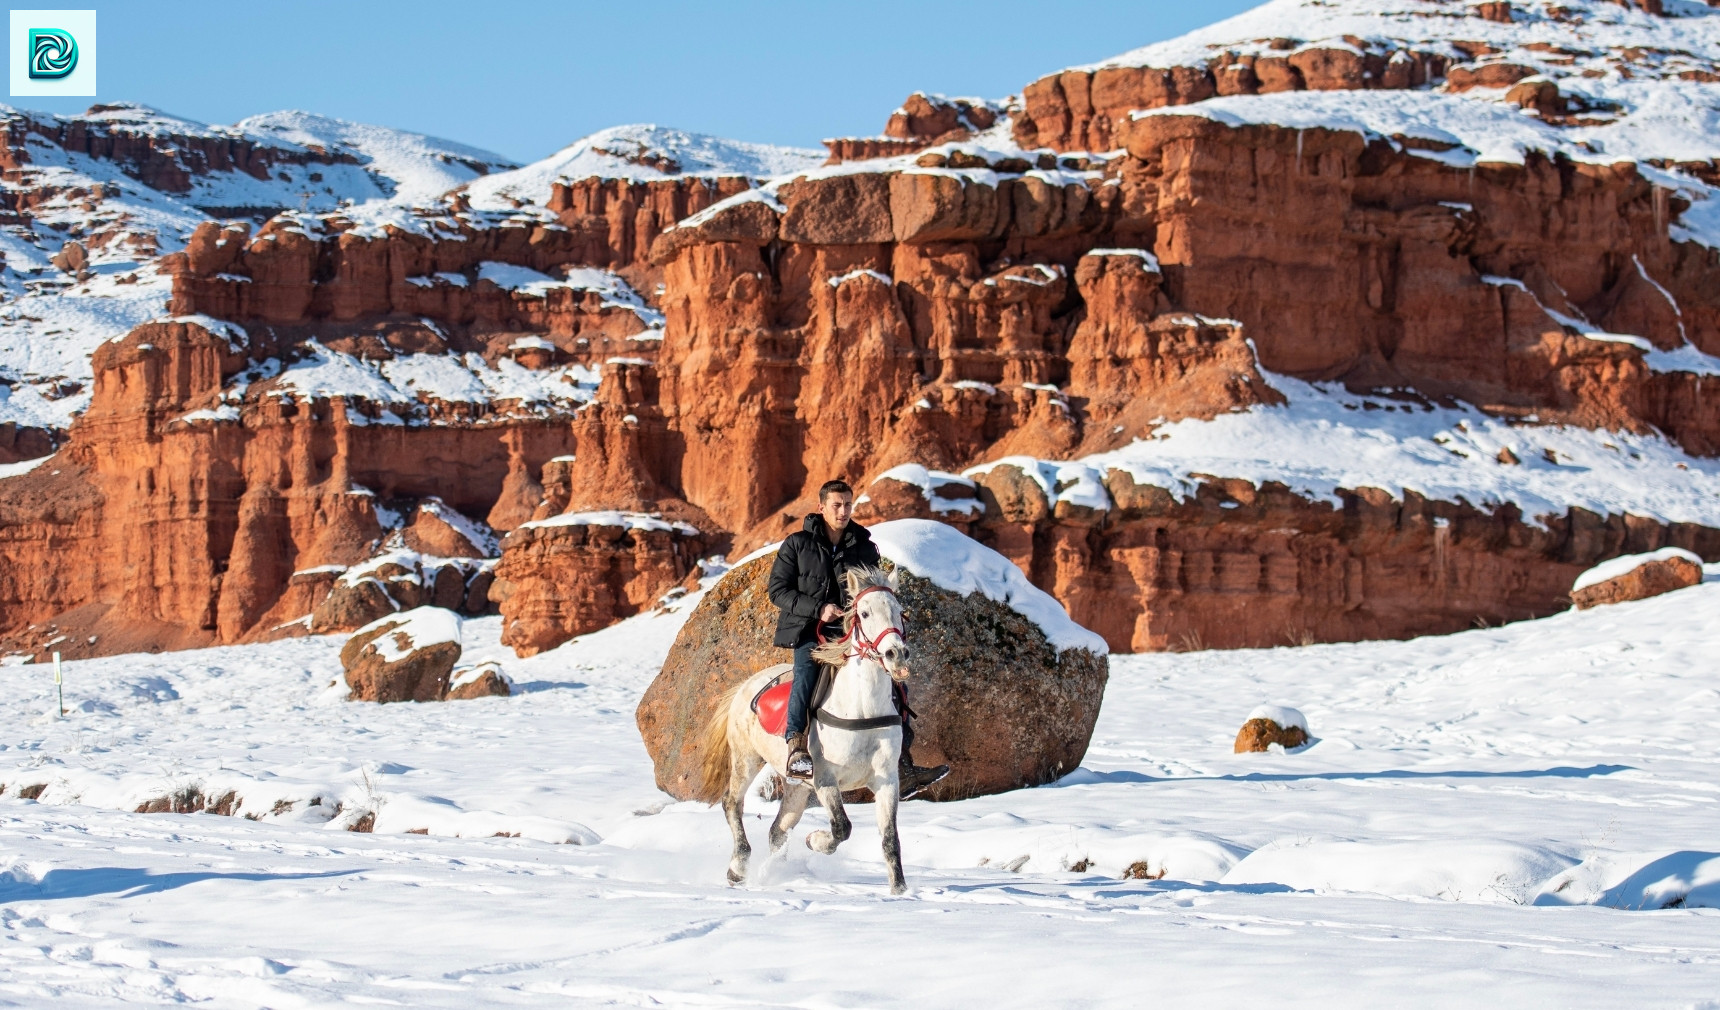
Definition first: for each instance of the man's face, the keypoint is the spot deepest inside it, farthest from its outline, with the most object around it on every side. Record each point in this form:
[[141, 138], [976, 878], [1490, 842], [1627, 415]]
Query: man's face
[[837, 508]]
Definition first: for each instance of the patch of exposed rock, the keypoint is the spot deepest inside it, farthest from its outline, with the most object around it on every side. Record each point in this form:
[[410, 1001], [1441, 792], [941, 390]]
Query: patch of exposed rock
[[1636, 577], [1270, 725]]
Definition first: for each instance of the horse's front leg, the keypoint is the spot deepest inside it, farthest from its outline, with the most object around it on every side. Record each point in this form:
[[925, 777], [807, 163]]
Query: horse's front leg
[[830, 797], [885, 794], [827, 841], [793, 804], [742, 770]]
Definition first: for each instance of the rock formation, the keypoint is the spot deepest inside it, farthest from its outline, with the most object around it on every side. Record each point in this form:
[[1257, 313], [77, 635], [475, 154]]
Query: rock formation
[[1271, 724], [996, 700], [1258, 736], [485, 680], [577, 572], [688, 347], [403, 657], [1636, 577]]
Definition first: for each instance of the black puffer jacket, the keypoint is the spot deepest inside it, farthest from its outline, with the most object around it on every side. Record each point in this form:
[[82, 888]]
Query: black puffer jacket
[[807, 575]]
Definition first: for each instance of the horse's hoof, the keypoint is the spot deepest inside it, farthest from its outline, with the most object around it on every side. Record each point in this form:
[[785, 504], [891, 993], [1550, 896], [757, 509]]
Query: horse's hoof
[[898, 888], [736, 878], [821, 841]]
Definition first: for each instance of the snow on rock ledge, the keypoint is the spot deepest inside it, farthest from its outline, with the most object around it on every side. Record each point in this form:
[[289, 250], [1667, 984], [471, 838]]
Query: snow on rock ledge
[[1006, 686], [1636, 577]]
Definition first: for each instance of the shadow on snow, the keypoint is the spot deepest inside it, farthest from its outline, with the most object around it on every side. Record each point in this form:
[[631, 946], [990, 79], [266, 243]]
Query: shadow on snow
[[126, 882], [1086, 776]]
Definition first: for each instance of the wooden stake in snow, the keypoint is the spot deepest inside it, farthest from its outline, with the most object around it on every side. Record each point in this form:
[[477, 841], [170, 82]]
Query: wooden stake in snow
[[60, 685]]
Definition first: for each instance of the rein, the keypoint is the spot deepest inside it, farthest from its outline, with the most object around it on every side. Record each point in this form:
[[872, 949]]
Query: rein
[[866, 648], [863, 647]]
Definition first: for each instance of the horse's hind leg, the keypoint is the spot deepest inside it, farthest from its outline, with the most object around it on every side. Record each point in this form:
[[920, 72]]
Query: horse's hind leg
[[742, 769], [827, 841], [885, 796], [788, 813]]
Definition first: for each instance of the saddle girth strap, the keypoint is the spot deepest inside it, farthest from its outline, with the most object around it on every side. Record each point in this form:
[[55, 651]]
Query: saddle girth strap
[[874, 722]]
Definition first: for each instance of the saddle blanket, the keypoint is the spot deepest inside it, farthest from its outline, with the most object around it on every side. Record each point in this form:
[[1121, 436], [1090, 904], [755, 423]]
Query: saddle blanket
[[770, 704]]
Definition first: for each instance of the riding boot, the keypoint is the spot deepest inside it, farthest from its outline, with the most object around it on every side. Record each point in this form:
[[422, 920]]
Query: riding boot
[[914, 779], [911, 778], [799, 759]]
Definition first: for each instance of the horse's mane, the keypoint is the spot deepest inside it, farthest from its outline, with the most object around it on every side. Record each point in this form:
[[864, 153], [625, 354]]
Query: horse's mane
[[855, 580]]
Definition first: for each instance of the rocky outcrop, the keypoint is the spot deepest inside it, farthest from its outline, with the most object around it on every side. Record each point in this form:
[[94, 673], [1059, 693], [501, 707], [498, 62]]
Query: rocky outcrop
[[393, 581], [160, 159], [485, 680], [1228, 564], [1087, 109], [175, 518], [922, 121], [730, 348], [404, 657], [1259, 735], [996, 701], [580, 571], [21, 442], [1636, 577]]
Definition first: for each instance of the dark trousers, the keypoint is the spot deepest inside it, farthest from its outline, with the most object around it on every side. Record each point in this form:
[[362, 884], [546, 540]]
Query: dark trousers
[[805, 679]]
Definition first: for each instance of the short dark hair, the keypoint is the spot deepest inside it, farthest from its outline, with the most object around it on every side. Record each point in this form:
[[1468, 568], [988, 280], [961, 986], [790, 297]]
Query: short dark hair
[[831, 487]]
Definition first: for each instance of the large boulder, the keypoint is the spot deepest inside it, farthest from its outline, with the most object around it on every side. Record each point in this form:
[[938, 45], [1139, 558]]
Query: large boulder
[[403, 657], [1636, 577], [1007, 687]]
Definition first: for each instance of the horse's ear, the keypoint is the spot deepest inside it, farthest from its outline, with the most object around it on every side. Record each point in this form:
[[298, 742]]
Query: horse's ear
[[895, 579]]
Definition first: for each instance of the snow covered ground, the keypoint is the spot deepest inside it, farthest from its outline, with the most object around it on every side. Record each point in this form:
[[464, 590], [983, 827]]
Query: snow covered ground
[[1475, 824]]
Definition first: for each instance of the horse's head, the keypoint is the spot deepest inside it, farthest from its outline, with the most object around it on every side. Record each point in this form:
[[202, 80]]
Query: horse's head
[[875, 617]]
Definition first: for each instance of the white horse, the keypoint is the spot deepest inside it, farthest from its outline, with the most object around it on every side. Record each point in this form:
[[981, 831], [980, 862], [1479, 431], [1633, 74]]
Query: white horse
[[855, 735]]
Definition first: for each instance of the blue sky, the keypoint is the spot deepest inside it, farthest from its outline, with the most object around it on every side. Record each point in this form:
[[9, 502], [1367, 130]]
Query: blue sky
[[525, 79]]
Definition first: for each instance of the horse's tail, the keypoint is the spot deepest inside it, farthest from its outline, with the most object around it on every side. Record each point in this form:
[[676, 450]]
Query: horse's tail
[[715, 770]]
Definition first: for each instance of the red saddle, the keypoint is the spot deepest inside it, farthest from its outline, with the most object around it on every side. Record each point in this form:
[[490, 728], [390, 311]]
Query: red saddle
[[771, 704]]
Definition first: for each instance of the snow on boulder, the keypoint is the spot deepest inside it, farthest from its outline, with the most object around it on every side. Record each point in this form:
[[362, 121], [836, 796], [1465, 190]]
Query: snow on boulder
[[403, 657], [1636, 577], [1272, 724], [485, 680], [1006, 686]]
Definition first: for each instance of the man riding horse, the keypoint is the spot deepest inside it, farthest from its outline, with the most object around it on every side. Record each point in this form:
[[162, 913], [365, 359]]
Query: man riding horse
[[806, 585]]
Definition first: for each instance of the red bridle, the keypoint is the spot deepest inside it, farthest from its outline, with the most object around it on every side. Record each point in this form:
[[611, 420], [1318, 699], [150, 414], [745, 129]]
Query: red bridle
[[864, 647]]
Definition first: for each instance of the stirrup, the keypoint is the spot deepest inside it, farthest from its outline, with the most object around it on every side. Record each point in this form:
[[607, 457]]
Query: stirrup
[[796, 755]]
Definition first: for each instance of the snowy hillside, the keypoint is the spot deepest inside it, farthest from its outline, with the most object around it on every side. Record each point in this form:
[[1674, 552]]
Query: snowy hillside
[[1460, 790], [124, 211], [405, 167], [644, 153]]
